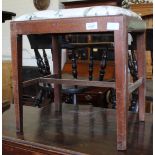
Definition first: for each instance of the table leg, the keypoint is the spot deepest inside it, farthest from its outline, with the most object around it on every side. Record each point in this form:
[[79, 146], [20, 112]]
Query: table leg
[[121, 72], [16, 45], [141, 73], [57, 70]]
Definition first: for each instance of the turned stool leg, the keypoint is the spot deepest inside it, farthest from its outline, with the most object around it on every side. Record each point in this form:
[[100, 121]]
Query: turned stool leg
[[121, 71], [141, 73], [56, 70], [16, 48]]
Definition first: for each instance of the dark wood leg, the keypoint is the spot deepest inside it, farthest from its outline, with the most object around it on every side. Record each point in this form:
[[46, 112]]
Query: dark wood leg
[[141, 73], [121, 72], [57, 70], [16, 45]]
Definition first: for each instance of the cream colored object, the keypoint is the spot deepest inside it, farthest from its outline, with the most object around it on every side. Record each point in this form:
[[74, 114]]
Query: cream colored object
[[6, 81], [78, 12]]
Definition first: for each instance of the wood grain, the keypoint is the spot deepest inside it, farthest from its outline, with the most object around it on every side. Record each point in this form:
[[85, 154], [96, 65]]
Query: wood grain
[[57, 27]]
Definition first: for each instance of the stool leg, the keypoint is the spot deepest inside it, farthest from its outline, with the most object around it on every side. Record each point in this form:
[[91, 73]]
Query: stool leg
[[121, 73], [141, 73], [56, 52], [16, 48]]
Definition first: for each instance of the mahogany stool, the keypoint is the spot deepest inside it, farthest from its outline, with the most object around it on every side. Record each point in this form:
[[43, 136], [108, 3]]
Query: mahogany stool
[[120, 25]]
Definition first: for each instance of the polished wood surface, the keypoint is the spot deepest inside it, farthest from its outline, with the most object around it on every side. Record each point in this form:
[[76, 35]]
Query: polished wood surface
[[145, 9], [88, 3], [89, 130], [16, 47], [75, 25], [57, 27], [149, 64], [13, 146]]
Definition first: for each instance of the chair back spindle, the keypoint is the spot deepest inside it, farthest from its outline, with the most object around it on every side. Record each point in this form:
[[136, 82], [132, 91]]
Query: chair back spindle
[[103, 66], [40, 62], [47, 66], [91, 65], [74, 65]]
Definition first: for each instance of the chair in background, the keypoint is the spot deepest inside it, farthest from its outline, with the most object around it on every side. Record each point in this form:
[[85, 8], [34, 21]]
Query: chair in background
[[42, 42]]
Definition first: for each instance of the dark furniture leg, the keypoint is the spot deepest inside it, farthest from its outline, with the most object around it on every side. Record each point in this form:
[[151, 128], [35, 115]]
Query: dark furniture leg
[[16, 45], [57, 70]]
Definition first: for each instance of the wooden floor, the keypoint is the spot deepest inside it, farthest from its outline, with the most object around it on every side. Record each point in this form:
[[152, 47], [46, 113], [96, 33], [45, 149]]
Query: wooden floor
[[89, 130]]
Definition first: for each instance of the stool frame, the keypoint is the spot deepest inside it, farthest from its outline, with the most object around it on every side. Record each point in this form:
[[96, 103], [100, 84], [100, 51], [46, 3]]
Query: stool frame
[[120, 25]]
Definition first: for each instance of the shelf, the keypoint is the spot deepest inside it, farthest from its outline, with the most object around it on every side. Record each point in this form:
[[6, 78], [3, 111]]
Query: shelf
[[143, 9], [87, 3]]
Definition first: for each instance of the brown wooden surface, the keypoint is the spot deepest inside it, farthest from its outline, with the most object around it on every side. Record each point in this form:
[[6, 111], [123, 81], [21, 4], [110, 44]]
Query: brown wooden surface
[[6, 84], [13, 146], [78, 25], [16, 48], [143, 9], [86, 3], [141, 73], [121, 71], [89, 130], [6, 80], [36, 80], [74, 25], [79, 82], [149, 65]]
